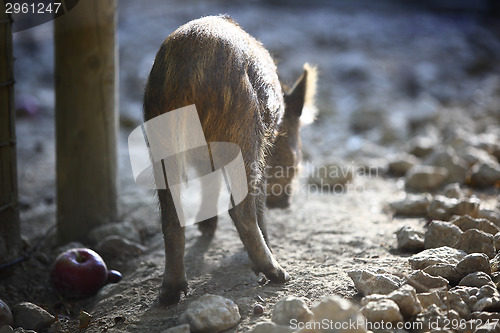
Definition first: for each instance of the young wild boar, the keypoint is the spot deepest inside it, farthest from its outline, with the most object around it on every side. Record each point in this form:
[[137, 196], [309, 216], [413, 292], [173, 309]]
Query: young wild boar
[[231, 78]]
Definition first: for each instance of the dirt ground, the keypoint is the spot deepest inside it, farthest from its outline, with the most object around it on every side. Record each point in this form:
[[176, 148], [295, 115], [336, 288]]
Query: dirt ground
[[386, 74]]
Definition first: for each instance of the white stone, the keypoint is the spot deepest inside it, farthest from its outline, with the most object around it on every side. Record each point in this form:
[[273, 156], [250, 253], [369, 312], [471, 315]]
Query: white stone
[[412, 205], [440, 255], [339, 310], [432, 317], [491, 215], [467, 206], [479, 299], [468, 294], [32, 317], [424, 282], [446, 271], [454, 301], [428, 299], [410, 239], [446, 158], [486, 303], [291, 307], [485, 174], [443, 208], [385, 310], [211, 313], [425, 178], [475, 262], [476, 241], [407, 301], [476, 279], [440, 233], [373, 297], [368, 282], [466, 222]]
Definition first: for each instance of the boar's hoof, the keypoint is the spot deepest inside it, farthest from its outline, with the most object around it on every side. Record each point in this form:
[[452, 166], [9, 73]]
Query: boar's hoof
[[277, 275], [208, 226], [171, 294]]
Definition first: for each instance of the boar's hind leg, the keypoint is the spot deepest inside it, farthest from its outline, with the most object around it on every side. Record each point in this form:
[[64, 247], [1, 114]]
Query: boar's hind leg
[[174, 278], [210, 195], [261, 213], [244, 216]]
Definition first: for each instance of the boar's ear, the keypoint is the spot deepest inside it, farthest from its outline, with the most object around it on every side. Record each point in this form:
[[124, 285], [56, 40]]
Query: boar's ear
[[300, 99]]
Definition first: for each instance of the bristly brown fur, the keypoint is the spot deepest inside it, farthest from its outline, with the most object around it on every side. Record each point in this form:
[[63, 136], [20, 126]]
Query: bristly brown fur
[[212, 63]]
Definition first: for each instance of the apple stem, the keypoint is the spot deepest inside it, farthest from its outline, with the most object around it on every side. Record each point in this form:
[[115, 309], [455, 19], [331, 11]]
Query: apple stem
[[80, 258]]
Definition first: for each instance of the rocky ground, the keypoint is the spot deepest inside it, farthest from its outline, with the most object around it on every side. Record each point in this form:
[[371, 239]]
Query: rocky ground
[[406, 229]]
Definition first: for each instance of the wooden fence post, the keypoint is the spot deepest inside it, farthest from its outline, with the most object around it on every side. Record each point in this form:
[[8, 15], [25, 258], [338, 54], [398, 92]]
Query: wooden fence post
[[86, 87]]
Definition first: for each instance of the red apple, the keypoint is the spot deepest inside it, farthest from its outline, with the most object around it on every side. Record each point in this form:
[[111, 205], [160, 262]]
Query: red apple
[[78, 273]]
